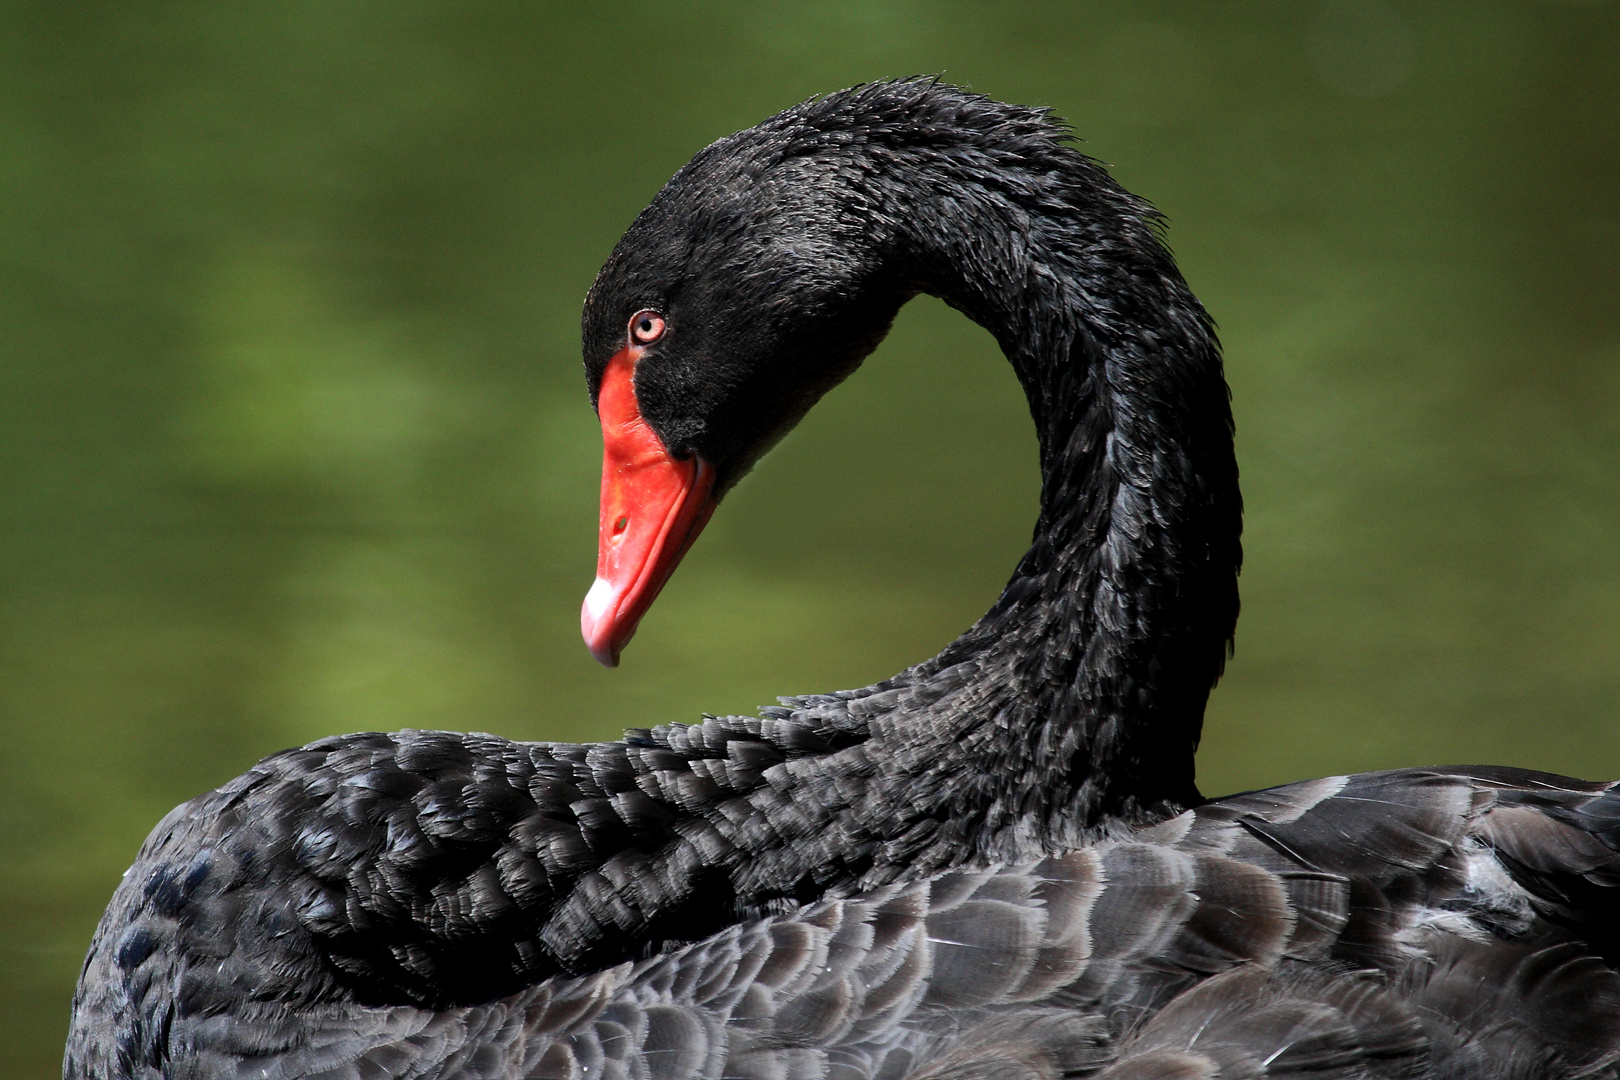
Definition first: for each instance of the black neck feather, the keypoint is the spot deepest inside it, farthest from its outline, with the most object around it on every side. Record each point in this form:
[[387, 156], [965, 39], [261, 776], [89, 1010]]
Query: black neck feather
[[1080, 695]]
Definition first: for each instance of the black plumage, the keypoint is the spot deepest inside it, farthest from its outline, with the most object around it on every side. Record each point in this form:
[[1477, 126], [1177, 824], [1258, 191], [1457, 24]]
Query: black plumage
[[984, 866], [1353, 927]]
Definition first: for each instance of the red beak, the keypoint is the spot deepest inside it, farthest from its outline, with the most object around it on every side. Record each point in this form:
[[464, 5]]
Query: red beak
[[653, 507]]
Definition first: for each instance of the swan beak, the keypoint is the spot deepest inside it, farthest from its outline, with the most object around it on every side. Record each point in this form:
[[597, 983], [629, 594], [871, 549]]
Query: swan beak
[[653, 507]]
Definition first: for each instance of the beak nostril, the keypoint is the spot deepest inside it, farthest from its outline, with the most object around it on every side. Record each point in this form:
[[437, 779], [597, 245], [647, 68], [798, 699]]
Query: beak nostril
[[620, 525]]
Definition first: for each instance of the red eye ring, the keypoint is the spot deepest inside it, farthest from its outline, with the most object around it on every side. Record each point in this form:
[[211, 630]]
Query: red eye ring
[[646, 327]]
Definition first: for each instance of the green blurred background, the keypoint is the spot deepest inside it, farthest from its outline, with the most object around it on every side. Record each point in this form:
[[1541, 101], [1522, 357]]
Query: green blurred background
[[294, 439]]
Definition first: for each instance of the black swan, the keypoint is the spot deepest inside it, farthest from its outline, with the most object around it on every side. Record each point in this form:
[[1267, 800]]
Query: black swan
[[995, 863]]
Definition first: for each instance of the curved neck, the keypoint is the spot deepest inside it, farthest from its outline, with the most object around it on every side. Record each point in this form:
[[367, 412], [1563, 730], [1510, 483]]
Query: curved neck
[[1080, 695]]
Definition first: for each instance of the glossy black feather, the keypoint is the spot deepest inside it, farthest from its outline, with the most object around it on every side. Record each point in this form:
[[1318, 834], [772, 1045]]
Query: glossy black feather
[[1173, 950]]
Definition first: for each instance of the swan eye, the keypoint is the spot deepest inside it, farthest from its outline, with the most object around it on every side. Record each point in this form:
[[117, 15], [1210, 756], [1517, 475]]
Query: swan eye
[[646, 327]]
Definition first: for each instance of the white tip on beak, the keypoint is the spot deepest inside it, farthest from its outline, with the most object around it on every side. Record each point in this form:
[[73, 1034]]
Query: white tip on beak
[[598, 606]]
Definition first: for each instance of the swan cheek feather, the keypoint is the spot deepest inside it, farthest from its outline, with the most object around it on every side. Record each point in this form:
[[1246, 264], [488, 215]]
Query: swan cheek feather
[[653, 507]]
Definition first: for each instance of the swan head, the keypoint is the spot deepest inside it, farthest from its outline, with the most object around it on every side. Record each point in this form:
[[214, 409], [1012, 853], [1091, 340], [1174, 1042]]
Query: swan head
[[758, 278]]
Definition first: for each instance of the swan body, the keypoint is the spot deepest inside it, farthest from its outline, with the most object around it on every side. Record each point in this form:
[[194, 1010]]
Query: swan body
[[995, 863], [1404, 924]]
